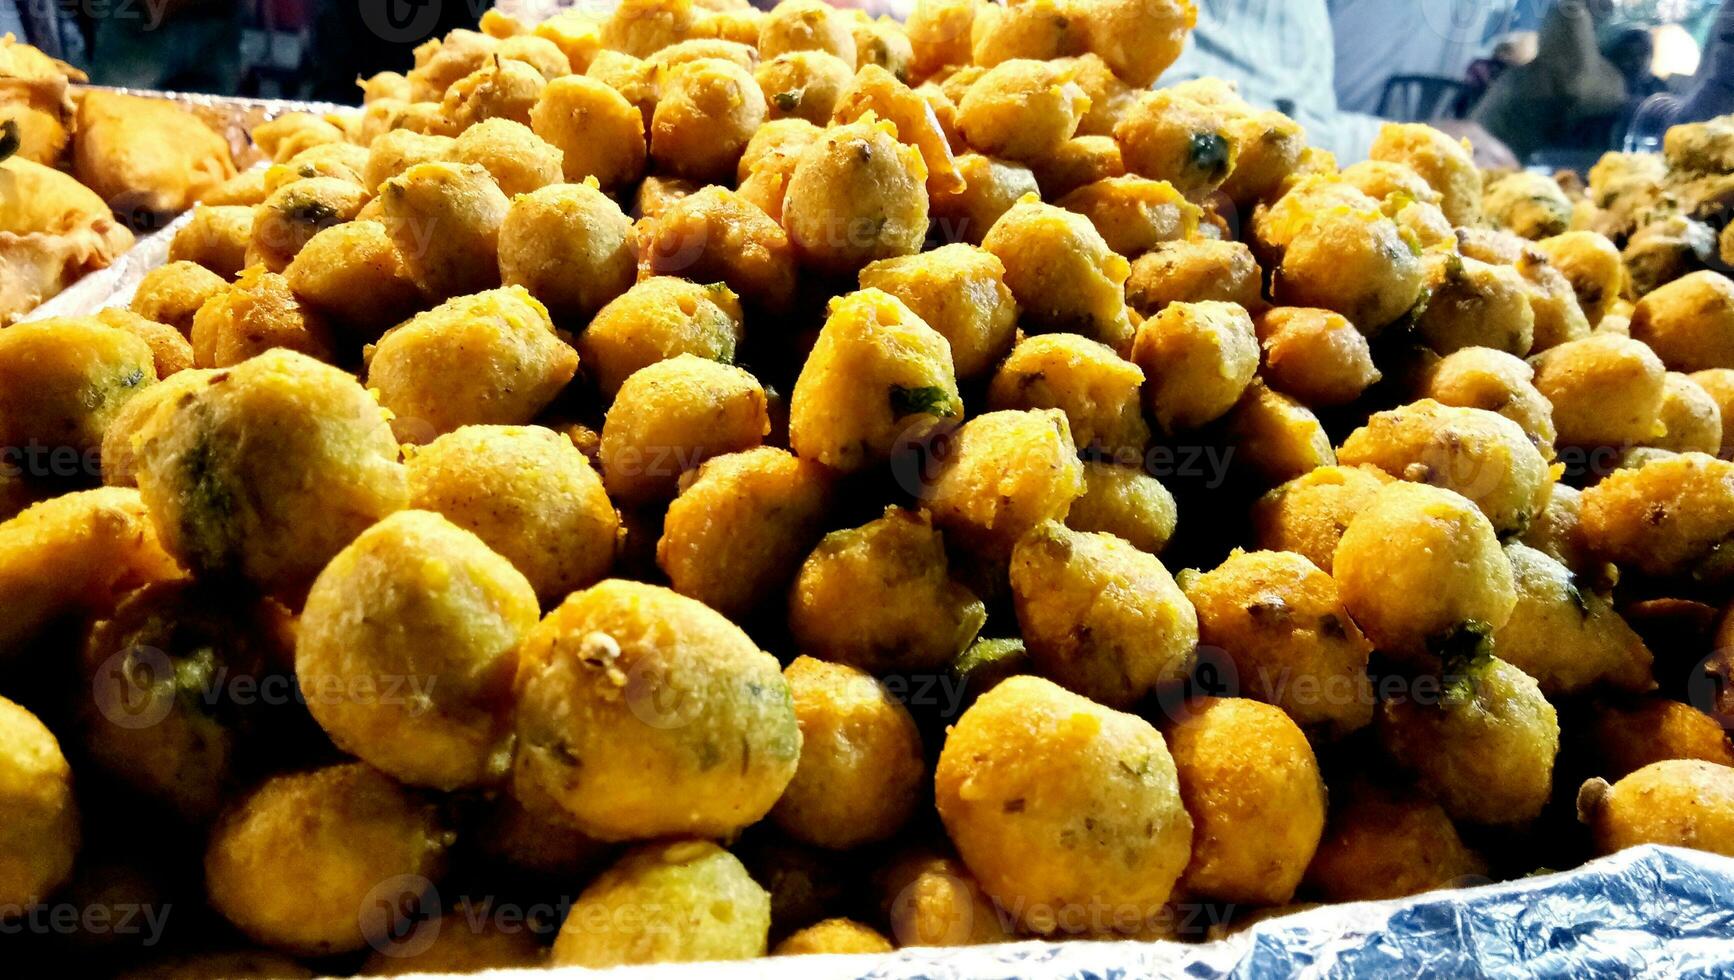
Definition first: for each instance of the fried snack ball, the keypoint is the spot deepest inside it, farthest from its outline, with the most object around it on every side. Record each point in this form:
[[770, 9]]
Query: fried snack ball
[[1718, 383], [1134, 214], [1037, 29], [1606, 390], [876, 92], [716, 235], [1006, 473], [642, 713], [1626, 737], [441, 61], [707, 112], [1167, 136], [1198, 359], [939, 33], [1528, 204], [958, 290], [1442, 162], [776, 144], [931, 899], [76, 553], [833, 936], [1689, 322], [877, 377], [1272, 147], [1592, 264], [1252, 786], [1099, 616], [63, 381], [803, 85], [396, 151], [502, 88], [1690, 417], [1109, 97], [445, 219], [1194, 272], [245, 189], [741, 526], [1487, 458], [861, 767], [260, 312], [296, 212], [1484, 748], [39, 832], [1275, 437], [1494, 381], [1556, 531], [658, 319], [696, 48], [880, 597], [673, 415], [1096, 388], [1027, 764], [571, 247], [856, 195], [636, 80], [1663, 519], [1383, 842], [1138, 39], [807, 25], [643, 27], [354, 275], [1079, 162], [1677, 802], [519, 161], [217, 238], [1126, 502], [1021, 109], [1358, 265], [297, 864], [1314, 356], [1475, 304], [492, 357], [657, 194], [1062, 273], [667, 902], [882, 42], [597, 131], [1567, 638], [1308, 514], [990, 189], [529, 494], [471, 937], [173, 293], [1291, 643], [171, 353], [416, 598], [1418, 566]]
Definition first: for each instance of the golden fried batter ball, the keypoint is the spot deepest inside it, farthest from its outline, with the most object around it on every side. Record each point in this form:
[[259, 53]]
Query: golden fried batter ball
[[489, 358], [1126, 502], [1026, 766], [440, 62], [958, 290], [1134, 214], [741, 526], [529, 494], [599, 133], [295, 213], [1251, 783], [1062, 273], [39, 833], [880, 597], [861, 766], [1099, 616], [1494, 381], [268, 470], [1275, 437], [571, 247], [305, 862], [1625, 736], [445, 220], [173, 293], [1384, 842], [1272, 147], [656, 194], [638, 81], [706, 907], [1567, 638], [1689, 322], [707, 112], [1666, 518], [1358, 265], [1167, 136], [882, 42], [717, 235], [394, 152], [673, 415], [775, 144], [807, 25], [577, 33], [63, 381], [1021, 109], [519, 161], [990, 189], [1291, 643], [876, 92], [119, 467], [1678, 802], [1556, 531], [1139, 39], [1690, 417], [540, 53], [1528, 204], [1552, 302], [877, 377], [1198, 359], [1308, 514], [502, 88], [1314, 356], [1419, 567], [1475, 304], [939, 33], [655, 320], [171, 353], [1005, 473], [696, 48], [833, 936], [1592, 264], [245, 189], [217, 238], [1442, 162], [803, 85], [1078, 162], [1036, 29], [260, 312], [856, 195], [932, 900], [1718, 383], [1606, 390], [1487, 458], [1109, 97], [643, 27], [354, 275], [418, 601], [1097, 389], [642, 713], [1194, 272]]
